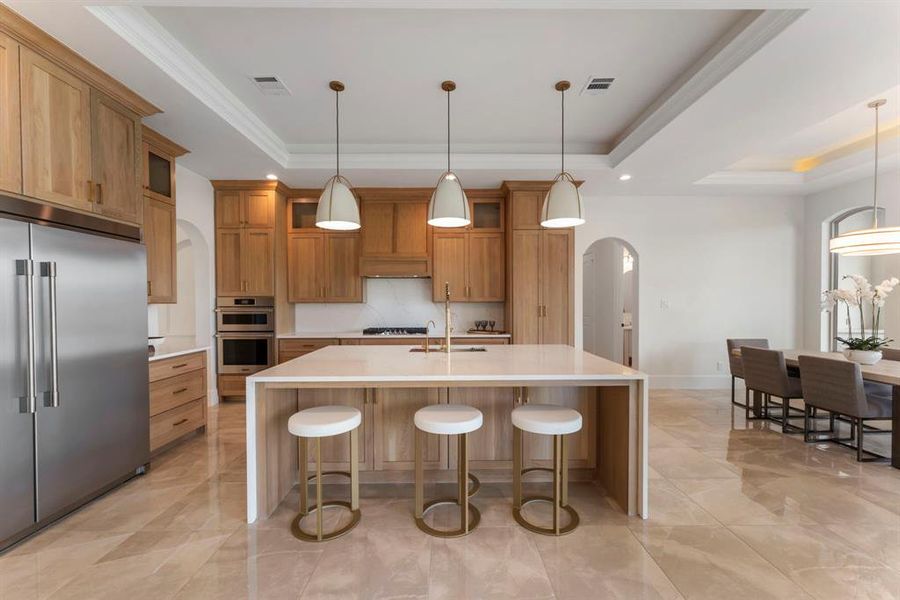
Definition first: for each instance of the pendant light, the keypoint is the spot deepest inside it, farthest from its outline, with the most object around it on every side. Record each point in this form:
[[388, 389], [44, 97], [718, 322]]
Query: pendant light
[[877, 240], [449, 206], [337, 209], [562, 204]]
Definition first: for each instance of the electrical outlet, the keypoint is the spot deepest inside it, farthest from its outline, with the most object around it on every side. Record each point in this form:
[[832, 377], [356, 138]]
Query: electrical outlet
[[664, 304]]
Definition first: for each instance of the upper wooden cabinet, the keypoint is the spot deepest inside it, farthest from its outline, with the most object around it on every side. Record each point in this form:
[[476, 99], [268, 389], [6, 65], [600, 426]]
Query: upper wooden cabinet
[[540, 310], [116, 159], [245, 240], [324, 267], [474, 265], [245, 208], [69, 133], [10, 117], [159, 236], [159, 217], [396, 241], [56, 133]]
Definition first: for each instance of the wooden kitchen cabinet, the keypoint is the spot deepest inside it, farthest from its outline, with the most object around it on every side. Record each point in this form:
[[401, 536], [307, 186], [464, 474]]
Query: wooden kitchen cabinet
[[56, 133], [10, 117], [159, 154], [540, 310], [245, 244], [490, 446], [290, 348], [116, 159], [395, 429], [395, 236], [526, 207], [177, 398], [324, 267], [473, 263], [159, 237]]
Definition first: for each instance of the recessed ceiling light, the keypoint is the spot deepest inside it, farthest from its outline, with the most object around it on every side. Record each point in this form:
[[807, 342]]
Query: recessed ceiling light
[[624, 177], [272, 177]]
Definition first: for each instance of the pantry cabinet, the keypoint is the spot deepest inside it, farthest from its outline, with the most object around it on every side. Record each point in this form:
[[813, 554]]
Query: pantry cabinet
[[245, 242]]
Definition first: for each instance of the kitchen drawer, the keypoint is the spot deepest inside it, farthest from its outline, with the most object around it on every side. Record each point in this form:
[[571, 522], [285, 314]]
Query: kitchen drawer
[[481, 341], [166, 394], [172, 424], [169, 367], [303, 345], [232, 385]]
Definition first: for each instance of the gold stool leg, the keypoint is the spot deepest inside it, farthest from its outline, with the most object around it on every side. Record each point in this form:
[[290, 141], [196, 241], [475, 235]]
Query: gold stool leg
[[319, 507], [420, 475], [557, 451], [354, 469], [464, 482], [517, 467], [302, 449], [565, 470]]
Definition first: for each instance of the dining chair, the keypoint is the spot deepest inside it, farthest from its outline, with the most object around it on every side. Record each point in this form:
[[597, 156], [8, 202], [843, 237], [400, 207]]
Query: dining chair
[[837, 386], [890, 354], [765, 371], [736, 367]]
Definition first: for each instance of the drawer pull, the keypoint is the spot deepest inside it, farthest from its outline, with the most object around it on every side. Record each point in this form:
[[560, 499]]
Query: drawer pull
[[179, 366], [181, 422], [180, 391]]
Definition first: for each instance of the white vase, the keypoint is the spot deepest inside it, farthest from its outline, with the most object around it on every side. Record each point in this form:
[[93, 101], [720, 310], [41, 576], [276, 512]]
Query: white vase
[[863, 357]]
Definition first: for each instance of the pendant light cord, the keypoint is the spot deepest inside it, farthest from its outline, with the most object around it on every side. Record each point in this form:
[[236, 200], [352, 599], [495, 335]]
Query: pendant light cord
[[562, 129], [875, 181], [337, 131], [448, 131]]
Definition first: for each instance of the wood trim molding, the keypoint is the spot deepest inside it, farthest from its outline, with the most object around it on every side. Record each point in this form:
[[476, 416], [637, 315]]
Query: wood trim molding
[[529, 186], [26, 33], [250, 185], [160, 141], [394, 194]]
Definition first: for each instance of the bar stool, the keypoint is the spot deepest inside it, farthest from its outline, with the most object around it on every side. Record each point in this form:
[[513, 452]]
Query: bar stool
[[316, 423], [545, 419], [448, 419]]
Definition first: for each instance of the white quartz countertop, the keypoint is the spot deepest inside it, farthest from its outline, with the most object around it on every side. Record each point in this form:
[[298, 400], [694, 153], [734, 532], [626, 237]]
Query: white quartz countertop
[[361, 335], [178, 346], [396, 365]]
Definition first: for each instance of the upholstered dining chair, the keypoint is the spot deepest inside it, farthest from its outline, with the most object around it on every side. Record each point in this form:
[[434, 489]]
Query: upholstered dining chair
[[765, 371], [735, 366], [837, 386], [890, 354]]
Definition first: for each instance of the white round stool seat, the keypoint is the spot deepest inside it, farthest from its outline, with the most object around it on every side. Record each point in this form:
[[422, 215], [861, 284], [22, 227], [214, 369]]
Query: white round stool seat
[[448, 419], [546, 419], [324, 421]]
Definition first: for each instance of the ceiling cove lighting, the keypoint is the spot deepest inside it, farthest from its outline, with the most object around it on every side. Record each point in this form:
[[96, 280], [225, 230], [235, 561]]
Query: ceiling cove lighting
[[449, 206], [877, 240], [272, 177], [337, 209], [562, 205]]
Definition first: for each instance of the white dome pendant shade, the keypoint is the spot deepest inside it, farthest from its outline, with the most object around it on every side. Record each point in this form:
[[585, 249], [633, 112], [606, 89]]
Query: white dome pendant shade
[[449, 206], [877, 240], [337, 208], [562, 204]]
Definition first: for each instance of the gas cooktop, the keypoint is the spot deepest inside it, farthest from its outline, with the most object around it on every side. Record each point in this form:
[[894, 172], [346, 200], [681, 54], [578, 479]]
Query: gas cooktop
[[394, 331]]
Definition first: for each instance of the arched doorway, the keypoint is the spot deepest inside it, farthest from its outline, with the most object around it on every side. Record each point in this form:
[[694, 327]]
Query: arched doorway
[[610, 300]]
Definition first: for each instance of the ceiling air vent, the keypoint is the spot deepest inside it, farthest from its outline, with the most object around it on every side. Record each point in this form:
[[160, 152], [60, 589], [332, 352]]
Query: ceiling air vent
[[596, 85], [270, 85]]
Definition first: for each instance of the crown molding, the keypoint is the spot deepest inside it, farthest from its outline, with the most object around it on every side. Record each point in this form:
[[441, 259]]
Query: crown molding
[[138, 27], [748, 36]]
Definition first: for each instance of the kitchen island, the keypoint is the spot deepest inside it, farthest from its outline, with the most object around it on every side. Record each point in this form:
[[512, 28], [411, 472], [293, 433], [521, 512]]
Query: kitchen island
[[389, 383]]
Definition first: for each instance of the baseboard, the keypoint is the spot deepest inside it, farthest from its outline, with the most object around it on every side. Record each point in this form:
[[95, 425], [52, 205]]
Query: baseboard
[[690, 382]]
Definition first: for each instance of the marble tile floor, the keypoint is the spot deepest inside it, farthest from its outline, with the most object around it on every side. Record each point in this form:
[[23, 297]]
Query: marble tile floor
[[738, 511]]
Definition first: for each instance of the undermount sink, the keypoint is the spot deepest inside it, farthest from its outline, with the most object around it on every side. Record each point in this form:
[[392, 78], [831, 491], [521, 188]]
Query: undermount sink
[[452, 349]]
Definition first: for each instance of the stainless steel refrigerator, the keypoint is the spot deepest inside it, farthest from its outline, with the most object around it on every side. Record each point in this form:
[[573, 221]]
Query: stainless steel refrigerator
[[74, 408]]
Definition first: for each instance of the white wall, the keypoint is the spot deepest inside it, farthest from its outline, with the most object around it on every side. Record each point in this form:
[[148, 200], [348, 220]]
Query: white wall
[[723, 266], [392, 303], [819, 210], [195, 229]]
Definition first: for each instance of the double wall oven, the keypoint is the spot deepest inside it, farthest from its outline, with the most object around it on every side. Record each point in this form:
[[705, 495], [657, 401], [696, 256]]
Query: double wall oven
[[245, 333]]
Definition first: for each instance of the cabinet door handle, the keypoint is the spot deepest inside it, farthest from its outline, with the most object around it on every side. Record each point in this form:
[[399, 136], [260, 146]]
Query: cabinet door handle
[[99, 193], [539, 311], [178, 366], [180, 391], [90, 185], [149, 288], [180, 422]]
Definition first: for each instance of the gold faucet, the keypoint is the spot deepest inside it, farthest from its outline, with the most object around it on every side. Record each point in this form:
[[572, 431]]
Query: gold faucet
[[427, 339], [446, 347]]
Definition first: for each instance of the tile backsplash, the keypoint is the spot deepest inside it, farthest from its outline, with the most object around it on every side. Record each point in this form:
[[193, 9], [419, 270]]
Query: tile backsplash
[[394, 302]]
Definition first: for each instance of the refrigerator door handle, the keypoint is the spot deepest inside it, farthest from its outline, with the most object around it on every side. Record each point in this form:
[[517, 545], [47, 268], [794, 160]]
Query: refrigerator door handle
[[51, 396], [28, 404]]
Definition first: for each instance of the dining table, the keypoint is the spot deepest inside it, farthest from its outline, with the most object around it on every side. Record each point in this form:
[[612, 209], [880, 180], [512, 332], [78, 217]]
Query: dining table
[[884, 371]]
